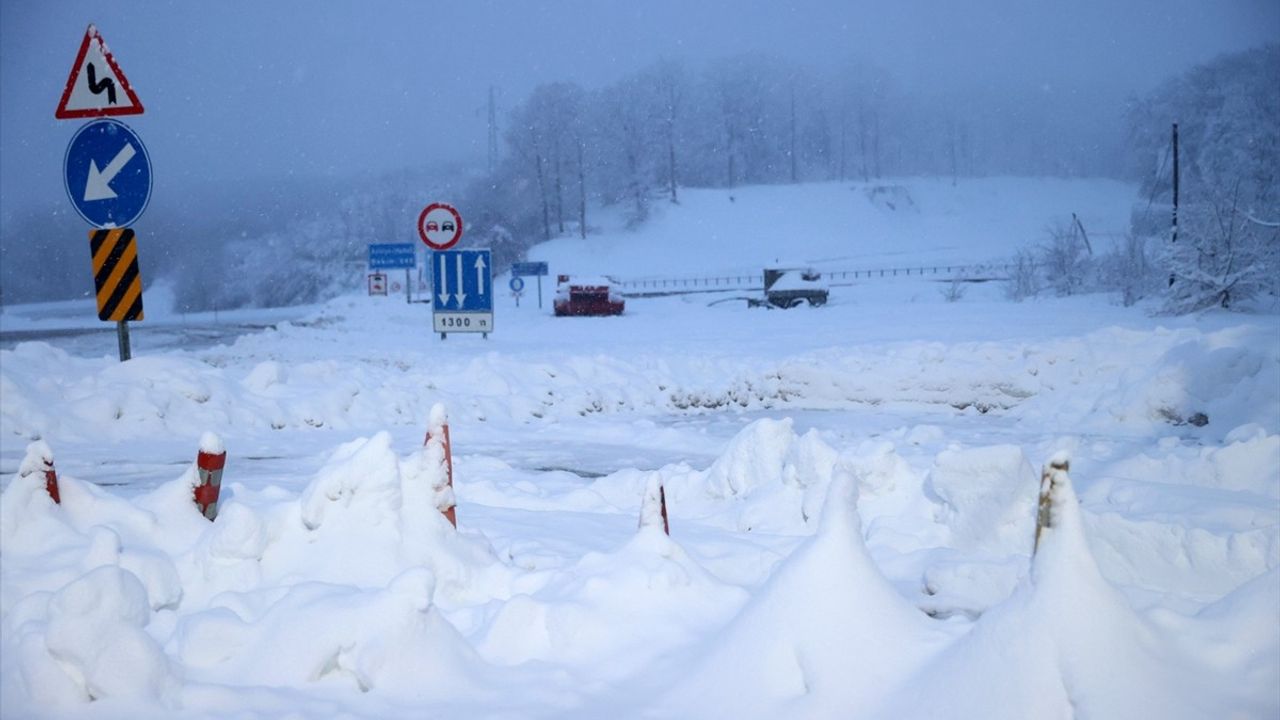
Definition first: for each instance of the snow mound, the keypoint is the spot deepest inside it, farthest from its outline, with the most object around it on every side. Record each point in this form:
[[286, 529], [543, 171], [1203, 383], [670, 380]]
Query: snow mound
[[391, 637], [603, 610], [1065, 645], [767, 479], [95, 645], [985, 495], [1223, 379], [342, 584], [826, 634]]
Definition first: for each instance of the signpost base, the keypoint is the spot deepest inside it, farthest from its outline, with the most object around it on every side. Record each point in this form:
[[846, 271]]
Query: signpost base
[[122, 335]]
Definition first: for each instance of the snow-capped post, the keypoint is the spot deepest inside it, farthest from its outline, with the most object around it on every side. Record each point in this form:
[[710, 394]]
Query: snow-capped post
[[210, 459], [653, 506], [1053, 476], [438, 432], [39, 459]]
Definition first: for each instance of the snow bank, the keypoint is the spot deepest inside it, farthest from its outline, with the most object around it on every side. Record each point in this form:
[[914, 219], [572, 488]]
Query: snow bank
[[1142, 382], [985, 495], [108, 598], [389, 638], [614, 611], [1224, 380], [826, 635], [767, 479], [1066, 644]]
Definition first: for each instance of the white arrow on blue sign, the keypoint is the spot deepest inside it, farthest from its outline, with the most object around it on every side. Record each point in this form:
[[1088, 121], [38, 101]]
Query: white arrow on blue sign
[[107, 174], [462, 280]]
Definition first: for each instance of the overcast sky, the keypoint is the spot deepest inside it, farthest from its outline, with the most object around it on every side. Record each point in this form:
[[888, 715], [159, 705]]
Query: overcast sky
[[236, 89]]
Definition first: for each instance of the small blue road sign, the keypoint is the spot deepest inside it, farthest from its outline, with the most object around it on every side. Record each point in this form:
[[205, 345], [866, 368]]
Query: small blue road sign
[[393, 256], [516, 284], [528, 268], [107, 174]]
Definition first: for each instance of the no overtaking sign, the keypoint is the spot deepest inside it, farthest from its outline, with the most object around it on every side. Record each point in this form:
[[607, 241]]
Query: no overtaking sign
[[440, 226]]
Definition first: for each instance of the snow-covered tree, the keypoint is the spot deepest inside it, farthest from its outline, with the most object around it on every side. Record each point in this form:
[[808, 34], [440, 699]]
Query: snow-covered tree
[[1065, 259], [1229, 180], [1223, 256]]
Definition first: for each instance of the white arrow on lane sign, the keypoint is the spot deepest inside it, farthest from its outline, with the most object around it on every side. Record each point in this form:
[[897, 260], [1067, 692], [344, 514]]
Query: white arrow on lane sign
[[461, 296], [444, 281], [98, 186], [480, 273]]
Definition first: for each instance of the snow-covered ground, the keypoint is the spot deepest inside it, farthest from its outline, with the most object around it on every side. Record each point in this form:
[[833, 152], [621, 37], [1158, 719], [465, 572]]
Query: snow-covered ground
[[851, 489]]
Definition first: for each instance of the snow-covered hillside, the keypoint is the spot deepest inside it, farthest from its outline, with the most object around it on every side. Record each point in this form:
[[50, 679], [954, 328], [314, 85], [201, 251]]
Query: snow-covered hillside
[[852, 492], [839, 226]]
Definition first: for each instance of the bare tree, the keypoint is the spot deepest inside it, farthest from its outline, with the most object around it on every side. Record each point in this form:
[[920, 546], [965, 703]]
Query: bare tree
[[1065, 261], [670, 80], [1222, 256]]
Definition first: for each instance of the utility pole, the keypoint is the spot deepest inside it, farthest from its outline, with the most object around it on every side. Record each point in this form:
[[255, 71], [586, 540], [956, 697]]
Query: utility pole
[[793, 133], [1175, 182], [493, 131], [1175, 192]]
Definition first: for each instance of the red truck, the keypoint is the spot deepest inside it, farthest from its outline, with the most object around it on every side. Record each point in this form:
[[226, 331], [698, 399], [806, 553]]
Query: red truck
[[586, 296]]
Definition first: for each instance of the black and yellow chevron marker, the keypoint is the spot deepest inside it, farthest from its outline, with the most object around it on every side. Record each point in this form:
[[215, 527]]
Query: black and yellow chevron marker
[[115, 274]]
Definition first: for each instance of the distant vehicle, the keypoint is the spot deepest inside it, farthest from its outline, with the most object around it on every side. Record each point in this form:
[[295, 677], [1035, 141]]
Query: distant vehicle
[[432, 226], [448, 226], [586, 296], [793, 287]]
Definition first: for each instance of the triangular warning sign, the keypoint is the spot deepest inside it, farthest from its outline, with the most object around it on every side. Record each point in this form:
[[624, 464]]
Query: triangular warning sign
[[96, 86]]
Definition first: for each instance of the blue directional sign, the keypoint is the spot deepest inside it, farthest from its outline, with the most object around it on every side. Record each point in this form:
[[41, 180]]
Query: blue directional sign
[[462, 284], [393, 256], [107, 174], [462, 281], [528, 268]]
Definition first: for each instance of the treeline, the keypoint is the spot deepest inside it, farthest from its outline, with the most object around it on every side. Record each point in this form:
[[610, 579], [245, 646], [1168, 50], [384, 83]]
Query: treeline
[[755, 119]]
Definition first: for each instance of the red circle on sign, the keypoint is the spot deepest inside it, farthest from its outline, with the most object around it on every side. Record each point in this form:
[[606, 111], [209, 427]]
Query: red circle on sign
[[444, 228]]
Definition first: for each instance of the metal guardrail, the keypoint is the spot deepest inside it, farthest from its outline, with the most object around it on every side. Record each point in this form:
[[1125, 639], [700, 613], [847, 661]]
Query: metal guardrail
[[642, 287]]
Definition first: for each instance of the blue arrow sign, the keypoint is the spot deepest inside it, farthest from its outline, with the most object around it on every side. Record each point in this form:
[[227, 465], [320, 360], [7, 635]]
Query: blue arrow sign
[[392, 256], [107, 174], [462, 280]]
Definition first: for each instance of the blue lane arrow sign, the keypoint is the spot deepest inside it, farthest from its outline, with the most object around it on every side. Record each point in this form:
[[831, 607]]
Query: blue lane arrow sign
[[462, 280], [107, 174]]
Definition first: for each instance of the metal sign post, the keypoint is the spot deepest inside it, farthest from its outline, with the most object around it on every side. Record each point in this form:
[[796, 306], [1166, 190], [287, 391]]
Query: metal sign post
[[393, 256], [517, 288], [122, 339]]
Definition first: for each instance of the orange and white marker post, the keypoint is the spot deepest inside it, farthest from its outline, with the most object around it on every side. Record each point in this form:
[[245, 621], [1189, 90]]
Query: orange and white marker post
[[39, 459], [210, 460], [438, 432]]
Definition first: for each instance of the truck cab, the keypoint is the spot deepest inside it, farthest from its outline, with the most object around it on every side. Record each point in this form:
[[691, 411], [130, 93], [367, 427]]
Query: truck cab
[[793, 287], [586, 297]]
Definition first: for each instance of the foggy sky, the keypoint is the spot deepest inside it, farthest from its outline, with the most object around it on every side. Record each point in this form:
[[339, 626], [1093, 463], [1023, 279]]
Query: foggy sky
[[276, 89]]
